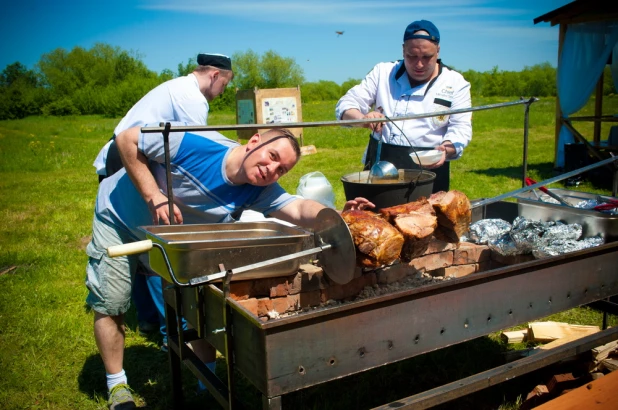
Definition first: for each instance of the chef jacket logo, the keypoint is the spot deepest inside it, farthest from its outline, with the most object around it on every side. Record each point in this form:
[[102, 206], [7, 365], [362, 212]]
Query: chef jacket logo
[[446, 91], [440, 104]]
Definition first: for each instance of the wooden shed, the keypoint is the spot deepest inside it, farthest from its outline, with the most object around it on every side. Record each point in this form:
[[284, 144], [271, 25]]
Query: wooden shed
[[588, 31]]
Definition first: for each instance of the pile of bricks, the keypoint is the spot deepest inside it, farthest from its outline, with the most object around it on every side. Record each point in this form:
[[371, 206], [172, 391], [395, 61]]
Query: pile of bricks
[[309, 287]]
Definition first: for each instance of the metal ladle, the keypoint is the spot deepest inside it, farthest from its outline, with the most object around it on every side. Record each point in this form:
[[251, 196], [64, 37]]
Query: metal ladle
[[382, 170]]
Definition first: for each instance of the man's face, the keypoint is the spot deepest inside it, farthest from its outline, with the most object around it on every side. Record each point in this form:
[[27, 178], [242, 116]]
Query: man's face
[[420, 57], [219, 81], [266, 162]]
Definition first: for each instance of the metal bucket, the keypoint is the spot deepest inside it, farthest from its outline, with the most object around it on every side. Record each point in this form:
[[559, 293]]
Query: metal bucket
[[411, 185]]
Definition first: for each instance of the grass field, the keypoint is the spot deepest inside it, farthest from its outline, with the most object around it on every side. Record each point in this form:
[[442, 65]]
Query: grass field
[[48, 357]]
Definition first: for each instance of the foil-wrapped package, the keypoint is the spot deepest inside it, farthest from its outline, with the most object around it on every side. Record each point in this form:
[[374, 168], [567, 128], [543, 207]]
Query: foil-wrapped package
[[504, 245], [560, 247], [526, 234], [541, 238], [486, 230]]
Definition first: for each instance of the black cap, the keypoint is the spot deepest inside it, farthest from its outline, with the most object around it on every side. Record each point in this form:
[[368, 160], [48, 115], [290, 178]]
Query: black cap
[[215, 60], [422, 25]]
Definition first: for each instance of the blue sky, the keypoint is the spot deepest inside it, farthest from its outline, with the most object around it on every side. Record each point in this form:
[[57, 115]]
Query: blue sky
[[475, 34]]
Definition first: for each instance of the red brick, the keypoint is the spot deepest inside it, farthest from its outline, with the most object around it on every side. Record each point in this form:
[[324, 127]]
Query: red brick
[[456, 271], [265, 305], [306, 299], [470, 253], [394, 273], [285, 304], [280, 289], [241, 290], [436, 245], [354, 287], [261, 287], [433, 261], [306, 282], [250, 304]]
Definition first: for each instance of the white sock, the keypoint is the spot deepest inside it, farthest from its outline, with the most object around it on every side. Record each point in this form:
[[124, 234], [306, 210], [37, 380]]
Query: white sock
[[114, 379]]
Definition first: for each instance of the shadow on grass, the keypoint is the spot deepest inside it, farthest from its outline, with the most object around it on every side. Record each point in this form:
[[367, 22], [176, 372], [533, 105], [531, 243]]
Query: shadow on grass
[[545, 170]]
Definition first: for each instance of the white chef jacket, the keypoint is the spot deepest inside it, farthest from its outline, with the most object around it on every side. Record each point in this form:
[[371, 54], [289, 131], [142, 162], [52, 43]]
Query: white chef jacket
[[179, 99], [387, 86]]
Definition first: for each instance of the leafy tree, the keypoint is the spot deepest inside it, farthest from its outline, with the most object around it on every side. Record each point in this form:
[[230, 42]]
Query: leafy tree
[[246, 68], [280, 72], [19, 95], [320, 91], [188, 68], [347, 84], [268, 71], [17, 72]]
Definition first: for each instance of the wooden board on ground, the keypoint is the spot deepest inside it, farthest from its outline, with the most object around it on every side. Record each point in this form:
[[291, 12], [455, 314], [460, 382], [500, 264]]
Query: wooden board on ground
[[550, 331], [308, 150], [515, 336]]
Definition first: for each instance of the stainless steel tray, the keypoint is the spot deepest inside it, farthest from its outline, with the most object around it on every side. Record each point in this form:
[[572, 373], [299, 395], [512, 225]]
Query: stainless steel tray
[[593, 222], [198, 249]]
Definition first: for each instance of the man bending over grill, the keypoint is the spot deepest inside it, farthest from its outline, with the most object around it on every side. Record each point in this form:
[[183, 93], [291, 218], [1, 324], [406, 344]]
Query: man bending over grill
[[213, 180]]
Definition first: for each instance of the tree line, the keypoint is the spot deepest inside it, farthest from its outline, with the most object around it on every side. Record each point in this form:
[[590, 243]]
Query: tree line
[[107, 80]]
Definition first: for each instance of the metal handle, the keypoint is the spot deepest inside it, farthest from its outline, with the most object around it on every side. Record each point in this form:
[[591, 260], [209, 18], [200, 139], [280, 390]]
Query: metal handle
[[220, 275]]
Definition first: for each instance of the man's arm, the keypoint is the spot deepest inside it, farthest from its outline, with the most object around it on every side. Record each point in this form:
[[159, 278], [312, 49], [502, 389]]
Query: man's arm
[[303, 212], [136, 165]]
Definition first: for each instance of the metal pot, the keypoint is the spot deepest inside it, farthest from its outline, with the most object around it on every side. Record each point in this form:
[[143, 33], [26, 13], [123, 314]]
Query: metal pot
[[411, 185]]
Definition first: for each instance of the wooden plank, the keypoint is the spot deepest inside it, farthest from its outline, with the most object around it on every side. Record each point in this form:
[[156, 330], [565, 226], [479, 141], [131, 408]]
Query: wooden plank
[[600, 394], [550, 331], [601, 352], [308, 150], [564, 340], [515, 336]]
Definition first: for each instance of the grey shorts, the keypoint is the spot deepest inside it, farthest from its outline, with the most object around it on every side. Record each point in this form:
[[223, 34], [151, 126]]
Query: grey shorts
[[109, 279]]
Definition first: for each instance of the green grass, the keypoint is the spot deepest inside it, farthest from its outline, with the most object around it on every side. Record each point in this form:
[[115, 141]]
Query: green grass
[[48, 358]]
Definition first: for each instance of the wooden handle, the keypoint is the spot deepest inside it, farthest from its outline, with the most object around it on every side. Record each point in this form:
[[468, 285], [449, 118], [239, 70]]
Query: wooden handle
[[129, 248]]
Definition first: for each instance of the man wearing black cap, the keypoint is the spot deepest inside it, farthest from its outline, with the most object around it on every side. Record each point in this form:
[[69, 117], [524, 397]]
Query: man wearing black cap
[[182, 99], [418, 84]]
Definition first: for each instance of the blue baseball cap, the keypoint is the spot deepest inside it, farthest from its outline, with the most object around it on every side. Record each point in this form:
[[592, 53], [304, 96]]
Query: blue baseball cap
[[422, 25]]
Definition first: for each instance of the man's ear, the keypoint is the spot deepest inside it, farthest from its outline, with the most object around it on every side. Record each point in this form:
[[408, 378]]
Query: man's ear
[[254, 141]]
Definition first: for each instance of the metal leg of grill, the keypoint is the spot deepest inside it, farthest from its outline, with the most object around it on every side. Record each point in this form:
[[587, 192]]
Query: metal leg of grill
[[172, 299]]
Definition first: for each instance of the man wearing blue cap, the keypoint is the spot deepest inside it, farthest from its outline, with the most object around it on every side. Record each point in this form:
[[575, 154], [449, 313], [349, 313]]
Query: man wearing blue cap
[[418, 84]]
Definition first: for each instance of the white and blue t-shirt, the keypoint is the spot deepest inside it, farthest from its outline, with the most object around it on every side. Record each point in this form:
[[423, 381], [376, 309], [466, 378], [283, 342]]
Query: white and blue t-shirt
[[201, 190]]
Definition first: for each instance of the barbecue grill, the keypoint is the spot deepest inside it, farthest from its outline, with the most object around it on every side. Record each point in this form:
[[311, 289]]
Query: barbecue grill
[[292, 353]]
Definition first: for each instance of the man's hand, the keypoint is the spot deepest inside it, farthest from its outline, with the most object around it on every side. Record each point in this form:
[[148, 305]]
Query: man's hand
[[374, 126], [448, 151], [355, 114], [159, 209], [358, 203]]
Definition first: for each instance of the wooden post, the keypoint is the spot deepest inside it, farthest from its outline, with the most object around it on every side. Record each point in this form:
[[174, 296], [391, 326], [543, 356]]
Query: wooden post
[[563, 28]]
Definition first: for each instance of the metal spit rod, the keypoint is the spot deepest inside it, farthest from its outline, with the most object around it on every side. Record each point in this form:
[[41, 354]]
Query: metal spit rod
[[185, 128], [220, 275], [545, 182]]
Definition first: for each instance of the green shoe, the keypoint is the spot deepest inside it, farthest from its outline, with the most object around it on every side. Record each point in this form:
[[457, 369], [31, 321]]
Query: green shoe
[[120, 398]]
